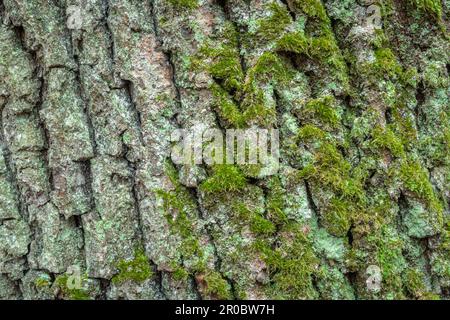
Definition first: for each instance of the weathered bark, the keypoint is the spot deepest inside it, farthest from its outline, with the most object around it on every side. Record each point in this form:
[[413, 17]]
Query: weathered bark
[[91, 90]]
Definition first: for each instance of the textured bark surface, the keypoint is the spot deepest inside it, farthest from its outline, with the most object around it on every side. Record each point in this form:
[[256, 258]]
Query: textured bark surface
[[359, 208]]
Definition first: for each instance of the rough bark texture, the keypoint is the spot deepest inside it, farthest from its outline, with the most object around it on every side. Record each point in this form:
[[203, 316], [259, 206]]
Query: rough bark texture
[[86, 179]]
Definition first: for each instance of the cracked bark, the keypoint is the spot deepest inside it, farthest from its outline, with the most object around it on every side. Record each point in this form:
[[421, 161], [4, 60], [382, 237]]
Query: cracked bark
[[86, 178]]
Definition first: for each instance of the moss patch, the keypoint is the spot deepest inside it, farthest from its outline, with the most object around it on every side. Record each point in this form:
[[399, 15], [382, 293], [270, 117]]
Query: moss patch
[[137, 270]]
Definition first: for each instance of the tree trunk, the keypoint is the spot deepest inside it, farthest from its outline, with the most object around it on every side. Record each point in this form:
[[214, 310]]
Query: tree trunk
[[93, 206]]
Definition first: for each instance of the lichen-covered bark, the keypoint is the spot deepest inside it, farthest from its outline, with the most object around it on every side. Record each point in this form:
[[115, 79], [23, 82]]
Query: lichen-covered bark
[[359, 208]]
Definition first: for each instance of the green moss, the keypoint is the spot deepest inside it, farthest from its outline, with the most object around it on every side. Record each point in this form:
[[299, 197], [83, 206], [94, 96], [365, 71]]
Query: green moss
[[260, 225], [227, 109], [429, 296], [415, 179], [179, 273], [432, 7], [330, 171], [256, 107], [309, 133], [222, 61], [253, 107], [225, 178], [414, 283], [270, 68], [334, 171], [322, 49], [43, 282], [180, 208], [179, 201], [312, 8], [137, 270], [217, 286], [295, 42], [388, 248], [380, 40], [323, 110], [291, 265], [386, 138], [386, 63], [276, 202], [404, 126], [184, 4], [227, 68], [230, 86], [337, 216], [72, 294], [270, 28]]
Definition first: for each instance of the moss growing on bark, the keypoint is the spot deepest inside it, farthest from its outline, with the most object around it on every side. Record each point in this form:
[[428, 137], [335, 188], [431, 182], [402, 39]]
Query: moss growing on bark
[[432, 7], [270, 28], [216, 286], [225, 178], [62, 282], [291, 264], [137, 270], [387, 139], [184, 4], [415, 179]]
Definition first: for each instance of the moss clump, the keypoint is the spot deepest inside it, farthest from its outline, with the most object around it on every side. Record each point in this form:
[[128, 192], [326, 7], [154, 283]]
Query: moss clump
[[259, 225], [227, 108], [322, 49], [432, 7], [61, 282], [276, 202], [240, 99], [184, 4], [330, 171], [43, 282], [270, 28], [180, 209], [225, 178], [335, 172], [321, 109], [180, 202], [253, 105], [270, 68], [222, 61], [440, 262], [216, 286], [415, 179], [137, 270], [386, 63], [414, 283], [387, 139], [338, 216], [312, 8], [291, 264], [295, 42], [310, 133], [262, 226], [388, 248], [179, 273]]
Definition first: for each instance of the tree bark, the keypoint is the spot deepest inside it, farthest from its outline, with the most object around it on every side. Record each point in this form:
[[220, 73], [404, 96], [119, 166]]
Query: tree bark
[[93, 207]]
